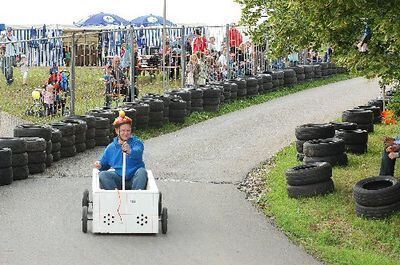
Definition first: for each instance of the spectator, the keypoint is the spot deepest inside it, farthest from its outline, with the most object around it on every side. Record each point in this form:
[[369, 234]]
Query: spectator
[[24, 69], [212, 47], [199, 42], [193, 71], [235, 38], [391, 152]]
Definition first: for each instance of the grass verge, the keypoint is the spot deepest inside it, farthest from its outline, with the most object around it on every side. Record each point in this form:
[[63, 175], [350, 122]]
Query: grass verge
[[327, 226]]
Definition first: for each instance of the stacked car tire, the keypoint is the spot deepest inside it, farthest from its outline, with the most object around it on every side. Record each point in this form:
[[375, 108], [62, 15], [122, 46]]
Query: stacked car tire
[[6, 170], [331, 150], [68, 148], [102, 135], [324, 70], [241, 87], [356, 141], [310, 180], [363, 118], [226, 92], [36, 150], [308, 72], [90, 131], [142, 114], [19, 157], [109, 115], [267, 82], [185, 95], [308, 132], [251, 86], [299, 73], [377, 197], [177, 110], [290, 78], [275, 81], [196, 95], [156, 113], [212, 98], [317, 71], [375, 110], [80, 133], [56, 136]]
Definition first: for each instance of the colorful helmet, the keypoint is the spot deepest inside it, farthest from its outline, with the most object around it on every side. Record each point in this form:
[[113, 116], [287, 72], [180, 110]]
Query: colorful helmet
[[122, 119]]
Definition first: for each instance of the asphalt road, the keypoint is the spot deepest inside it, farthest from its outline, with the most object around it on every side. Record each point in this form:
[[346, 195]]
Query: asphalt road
[[210, 222]]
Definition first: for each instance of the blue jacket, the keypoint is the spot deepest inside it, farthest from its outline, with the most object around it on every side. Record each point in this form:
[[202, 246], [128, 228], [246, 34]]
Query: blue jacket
[[112, 157]]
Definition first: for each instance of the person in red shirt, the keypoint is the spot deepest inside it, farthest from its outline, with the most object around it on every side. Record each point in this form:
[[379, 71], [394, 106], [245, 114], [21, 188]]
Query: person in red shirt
[[199, 42], [235, 38]]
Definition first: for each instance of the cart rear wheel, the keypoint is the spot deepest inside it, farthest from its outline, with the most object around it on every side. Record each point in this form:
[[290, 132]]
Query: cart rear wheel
[[84, 218], [159, 204], [85, 198], [164, 220]]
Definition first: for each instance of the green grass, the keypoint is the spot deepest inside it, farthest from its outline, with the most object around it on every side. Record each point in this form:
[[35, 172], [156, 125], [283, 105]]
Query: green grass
[[327, 226]]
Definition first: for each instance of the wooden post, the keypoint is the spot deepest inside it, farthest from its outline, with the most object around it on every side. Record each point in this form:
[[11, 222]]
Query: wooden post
[[73, 48]]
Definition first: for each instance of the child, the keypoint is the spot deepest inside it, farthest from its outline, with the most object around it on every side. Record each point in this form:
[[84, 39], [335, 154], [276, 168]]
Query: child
[[24, 69], [48, 99], [203, 70], [107, 78], [193, 71]]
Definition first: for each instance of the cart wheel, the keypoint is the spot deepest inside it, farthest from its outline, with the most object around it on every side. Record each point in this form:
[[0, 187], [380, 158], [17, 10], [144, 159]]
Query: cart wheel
[[164, 220], [84, 218], [159, 204], [85, 198]]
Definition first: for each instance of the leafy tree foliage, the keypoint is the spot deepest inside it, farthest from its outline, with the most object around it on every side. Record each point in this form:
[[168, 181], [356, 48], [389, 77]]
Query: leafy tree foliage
[[292, 25]]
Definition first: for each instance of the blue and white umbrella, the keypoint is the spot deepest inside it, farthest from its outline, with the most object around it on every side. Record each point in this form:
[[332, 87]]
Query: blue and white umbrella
[[151, 21], [103, 19]]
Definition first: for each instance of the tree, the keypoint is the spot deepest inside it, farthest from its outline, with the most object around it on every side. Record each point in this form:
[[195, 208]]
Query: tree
[[291, 25]]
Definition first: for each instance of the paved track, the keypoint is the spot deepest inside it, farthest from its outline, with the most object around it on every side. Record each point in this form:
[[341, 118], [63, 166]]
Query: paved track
[[209, 222]]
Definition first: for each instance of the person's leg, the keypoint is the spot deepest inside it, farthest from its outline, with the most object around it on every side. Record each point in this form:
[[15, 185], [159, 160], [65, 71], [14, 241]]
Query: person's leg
[[109, 180], [387, 165], [139, 181]]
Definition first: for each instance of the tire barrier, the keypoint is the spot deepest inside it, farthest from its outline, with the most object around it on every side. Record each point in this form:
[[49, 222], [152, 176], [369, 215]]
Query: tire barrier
[[185, 96], [260, 84], [56, 136], [378, 103], [309, 180], [105, 113], [142, 114], [19, 156], [165, 98], [317, 71], [275, 81], [290, 78], [177, 110], [102, 136], [251, 86], [377, 197], [91, 129], [156, 113], [37, 156], [67, 141], [196, 95], [324, 70], [307, 132], [376, 111], [331, 150], [356, 141], [211, 98], [267, 83], [80, 133], [241, 87], [344, 125], [309, 72], [280, 76], [6, 170], [363, 118], [226, 92]]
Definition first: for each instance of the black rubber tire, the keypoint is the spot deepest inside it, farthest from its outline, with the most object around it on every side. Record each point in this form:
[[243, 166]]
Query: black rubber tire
[[19, 160], [289, 73], [90, 133], [68, 151], [102, 123], [56, 156], [56, 135], [102, 141], [311, 190], [67, 141], [6, 176], [84, 219], [5, 157], [159, 204], [177, 104], [344, 125], [49, 147], [17, 145], [36, 157], [356, 148], [299, 146], [33, 130], [156, 116], [89, 119], [164, 220], [377, 191], [37, 168], [211, 92], [35, 144], [109, 115], [81, 147], [156, 105], [211, 101], [267, 86], [80, 138], [340, 160], [177, 119], [102, 132], [375, 110], [211, 108], [314, 131], [353, 137], [358, 116], [377, 212], [90, 144], [368, 127], [196, 93], [80, 125], [49, 160], [323, 147], [66, 129], [173, 113], [85, 198], [56, 147], [20, 173], [308, 174]]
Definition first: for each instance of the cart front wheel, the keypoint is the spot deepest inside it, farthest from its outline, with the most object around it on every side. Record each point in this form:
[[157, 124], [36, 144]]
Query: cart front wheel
[[84, 218], [85, 198], [159, 204], [164, 220]]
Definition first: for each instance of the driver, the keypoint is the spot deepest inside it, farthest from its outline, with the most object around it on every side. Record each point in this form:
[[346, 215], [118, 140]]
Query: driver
[[136, 174]]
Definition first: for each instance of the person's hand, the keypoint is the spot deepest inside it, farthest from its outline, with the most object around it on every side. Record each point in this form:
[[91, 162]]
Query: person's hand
[[393, 155], [393, 148], [126, 148], [388, 141], [97, 164]]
